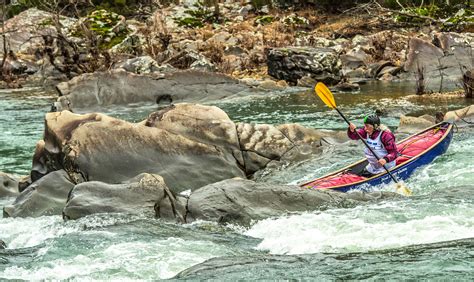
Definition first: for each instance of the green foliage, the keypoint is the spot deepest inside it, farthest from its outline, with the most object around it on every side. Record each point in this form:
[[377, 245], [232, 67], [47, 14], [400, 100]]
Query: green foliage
[[463, 18], [189, 22], [258, 4], [416, 3], [113, 41], [197, 16], [13, 10], [20, 6], [454, 17], [47, 22], [112, 4], [104, 26], [295, 20], [427, 11], [264, 20], [326, 5], [102, 21]]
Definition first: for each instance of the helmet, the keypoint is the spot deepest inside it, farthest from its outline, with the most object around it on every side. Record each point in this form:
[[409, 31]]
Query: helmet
[[372, 119]]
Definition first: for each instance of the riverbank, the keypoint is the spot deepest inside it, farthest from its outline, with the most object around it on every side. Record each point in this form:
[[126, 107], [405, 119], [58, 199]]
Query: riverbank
[[269, 47]]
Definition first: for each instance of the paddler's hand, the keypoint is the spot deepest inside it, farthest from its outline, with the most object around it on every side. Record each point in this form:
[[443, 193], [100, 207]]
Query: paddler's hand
[[352, 127], [382, 161]]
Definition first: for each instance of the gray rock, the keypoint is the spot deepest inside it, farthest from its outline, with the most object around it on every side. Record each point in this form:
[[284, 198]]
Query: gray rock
[[392, 70], [261, 143], [446, 62], [306, 81], [96, 147], [8, 185], [291, 64], [411, 125], [24, 31], [191, 60], [462, 117], [140, 65], [353, 59], [347, 86], [376, 68], [145, 194], [119, 87], [47, 196], [188, 145], [241, 201]]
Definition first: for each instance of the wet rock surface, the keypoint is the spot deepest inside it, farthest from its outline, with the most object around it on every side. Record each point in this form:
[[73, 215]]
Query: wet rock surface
[[241, 201], [47, 196], [8, 185], [119, 87], [145, 194]]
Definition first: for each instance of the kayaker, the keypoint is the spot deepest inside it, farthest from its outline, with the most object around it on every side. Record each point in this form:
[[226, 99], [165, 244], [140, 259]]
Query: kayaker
[[382, 142]]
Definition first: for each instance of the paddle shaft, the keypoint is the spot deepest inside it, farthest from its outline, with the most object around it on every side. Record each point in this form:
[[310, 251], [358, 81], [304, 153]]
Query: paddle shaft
[[366, 145]]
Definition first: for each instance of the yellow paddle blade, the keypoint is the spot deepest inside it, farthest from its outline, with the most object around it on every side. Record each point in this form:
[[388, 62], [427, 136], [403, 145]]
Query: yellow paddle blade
[[325, 95], [402, 189]]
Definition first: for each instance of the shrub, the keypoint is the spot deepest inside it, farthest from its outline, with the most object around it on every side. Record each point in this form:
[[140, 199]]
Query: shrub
[[198, 16]]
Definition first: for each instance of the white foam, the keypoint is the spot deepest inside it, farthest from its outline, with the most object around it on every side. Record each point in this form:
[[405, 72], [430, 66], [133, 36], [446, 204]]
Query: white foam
[[28, 232], [361, 229], [161, 258]]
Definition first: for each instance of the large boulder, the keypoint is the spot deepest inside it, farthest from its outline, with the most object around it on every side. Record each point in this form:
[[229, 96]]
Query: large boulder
[[291, 64], [203, 124], [47, 196], [23, 32], [261, 143], [145, 194], [188, 145], [8, 185], [442, 59], [241, 201], [119, 87], [95, 147]]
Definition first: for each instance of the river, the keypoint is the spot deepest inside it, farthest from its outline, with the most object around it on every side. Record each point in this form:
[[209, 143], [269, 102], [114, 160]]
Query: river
[[429, 235]]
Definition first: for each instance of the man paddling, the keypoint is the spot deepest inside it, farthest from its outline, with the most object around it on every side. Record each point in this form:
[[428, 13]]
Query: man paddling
[[381, 140]]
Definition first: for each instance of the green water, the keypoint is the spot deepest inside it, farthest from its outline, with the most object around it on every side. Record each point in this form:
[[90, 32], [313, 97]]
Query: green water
[[427, 236]]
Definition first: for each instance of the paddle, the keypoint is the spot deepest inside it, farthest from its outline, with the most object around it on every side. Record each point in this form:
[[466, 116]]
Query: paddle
[[326, 96]]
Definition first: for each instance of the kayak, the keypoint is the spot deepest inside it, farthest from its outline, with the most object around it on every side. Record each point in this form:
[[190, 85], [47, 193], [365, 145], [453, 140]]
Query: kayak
[[414, 151]]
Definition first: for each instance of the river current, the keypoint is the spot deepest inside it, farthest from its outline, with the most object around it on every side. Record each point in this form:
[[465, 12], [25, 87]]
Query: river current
[[429, 235]]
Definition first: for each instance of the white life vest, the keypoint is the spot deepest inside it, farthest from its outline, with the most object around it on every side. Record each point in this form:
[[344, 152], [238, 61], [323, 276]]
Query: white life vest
[[379, 149]]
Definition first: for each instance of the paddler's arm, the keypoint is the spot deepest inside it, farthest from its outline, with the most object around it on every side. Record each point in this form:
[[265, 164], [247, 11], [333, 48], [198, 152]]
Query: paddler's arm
[[352, 134], [388, 140]]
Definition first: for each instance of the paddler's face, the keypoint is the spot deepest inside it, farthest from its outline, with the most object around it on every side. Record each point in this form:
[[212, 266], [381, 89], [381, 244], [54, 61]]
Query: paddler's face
[[369, 128]]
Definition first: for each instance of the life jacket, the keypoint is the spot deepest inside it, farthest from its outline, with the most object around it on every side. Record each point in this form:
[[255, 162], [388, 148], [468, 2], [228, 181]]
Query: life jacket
[[379, 149]]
